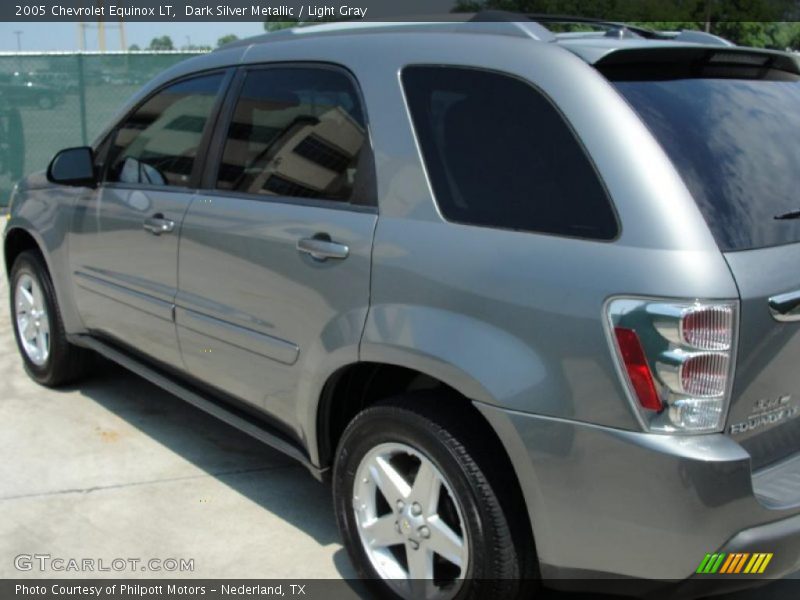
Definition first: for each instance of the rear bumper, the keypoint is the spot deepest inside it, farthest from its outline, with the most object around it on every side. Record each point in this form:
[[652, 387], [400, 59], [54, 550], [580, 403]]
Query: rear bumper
[[781, 538], [607, 503]]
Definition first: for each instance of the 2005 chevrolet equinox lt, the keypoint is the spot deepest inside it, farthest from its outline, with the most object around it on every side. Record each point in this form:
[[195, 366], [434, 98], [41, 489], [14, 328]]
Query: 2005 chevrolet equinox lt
[[530, 300]]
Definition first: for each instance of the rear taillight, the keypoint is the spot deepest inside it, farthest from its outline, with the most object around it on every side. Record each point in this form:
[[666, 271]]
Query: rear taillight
[[638, 370], [676, 360]]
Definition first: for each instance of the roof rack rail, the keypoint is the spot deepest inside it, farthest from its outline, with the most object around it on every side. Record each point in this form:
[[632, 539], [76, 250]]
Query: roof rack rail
[[531, 26], [701, 37], [528, 26], [643, 32], [614, 28]]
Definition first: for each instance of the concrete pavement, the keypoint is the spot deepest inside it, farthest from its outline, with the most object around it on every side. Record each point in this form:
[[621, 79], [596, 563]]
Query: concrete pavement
[[114, 467]]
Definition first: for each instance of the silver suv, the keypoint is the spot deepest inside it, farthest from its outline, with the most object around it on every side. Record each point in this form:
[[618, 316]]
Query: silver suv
[[529, 300]]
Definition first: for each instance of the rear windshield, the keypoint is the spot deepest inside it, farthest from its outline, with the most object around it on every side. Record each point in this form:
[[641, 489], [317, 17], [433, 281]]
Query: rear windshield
[[736, 142]]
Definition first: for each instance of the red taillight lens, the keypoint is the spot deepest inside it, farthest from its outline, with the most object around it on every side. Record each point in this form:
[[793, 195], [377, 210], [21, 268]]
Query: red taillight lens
[[637, 368]]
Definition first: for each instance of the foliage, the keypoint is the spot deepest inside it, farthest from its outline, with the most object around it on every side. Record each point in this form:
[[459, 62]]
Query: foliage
[[759, 23], [161, 43], [271, 26], [227, 39]]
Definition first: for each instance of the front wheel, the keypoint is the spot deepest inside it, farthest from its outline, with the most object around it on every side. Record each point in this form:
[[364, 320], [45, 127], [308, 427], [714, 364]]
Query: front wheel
[[417, 512], [48, 357]]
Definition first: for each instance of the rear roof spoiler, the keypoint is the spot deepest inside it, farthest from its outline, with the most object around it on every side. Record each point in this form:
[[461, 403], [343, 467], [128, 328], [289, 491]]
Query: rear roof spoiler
[[699, 56]]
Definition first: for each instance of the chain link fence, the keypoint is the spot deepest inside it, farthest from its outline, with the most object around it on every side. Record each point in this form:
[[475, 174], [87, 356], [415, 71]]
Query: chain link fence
[[50, 101]]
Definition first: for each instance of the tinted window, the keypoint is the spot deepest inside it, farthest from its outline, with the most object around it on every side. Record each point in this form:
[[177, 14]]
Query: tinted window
[[295, 132], [500, 155], [158, 144], [735, 142]]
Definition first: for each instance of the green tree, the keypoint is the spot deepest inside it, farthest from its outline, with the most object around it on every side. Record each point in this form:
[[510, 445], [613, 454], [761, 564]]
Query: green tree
[[134, 48], [758, 23], [196, 48], [778, 36], [227, 39], [161, 43], [270, 26], [794, 42]]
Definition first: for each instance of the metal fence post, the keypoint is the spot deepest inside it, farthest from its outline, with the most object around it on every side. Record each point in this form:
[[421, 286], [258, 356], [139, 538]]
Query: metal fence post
[[82, 99]]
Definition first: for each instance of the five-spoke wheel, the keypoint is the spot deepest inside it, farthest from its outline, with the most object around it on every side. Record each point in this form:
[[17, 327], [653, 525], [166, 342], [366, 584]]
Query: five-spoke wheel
[[48, 356], [409, 521], [33, 322], [416, 484]]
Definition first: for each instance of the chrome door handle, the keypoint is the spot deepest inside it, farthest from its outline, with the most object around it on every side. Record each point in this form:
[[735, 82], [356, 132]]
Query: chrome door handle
[[785, 307], [320, 248], [157, 225]]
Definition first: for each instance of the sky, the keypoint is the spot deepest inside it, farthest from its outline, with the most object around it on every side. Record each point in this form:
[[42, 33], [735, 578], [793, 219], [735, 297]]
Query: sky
[[64, 36]]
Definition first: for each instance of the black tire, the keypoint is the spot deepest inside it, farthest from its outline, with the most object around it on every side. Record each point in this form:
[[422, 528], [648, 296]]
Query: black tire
[[500, 565], [65, 362]]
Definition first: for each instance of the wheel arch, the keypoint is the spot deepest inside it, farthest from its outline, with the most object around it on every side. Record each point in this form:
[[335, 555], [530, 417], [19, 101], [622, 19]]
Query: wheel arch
[[17, 241], [356, 386], [22, 236]]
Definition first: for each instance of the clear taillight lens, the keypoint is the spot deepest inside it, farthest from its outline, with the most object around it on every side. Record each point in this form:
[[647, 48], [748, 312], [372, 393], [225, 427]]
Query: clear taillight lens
[[708, 327], [705, 375], [676, 360]]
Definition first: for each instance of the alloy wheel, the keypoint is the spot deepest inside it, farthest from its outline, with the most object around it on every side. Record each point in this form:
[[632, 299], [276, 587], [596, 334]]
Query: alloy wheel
[[410, 523], [33, 322]]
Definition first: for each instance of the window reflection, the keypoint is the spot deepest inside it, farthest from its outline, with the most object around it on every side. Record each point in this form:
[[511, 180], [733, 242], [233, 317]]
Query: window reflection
[[734, 141], [294, 132], [158, 144]]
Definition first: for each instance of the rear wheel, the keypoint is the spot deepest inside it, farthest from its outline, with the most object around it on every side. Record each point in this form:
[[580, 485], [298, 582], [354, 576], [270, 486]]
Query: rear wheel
[[416, 509], [48, 357]]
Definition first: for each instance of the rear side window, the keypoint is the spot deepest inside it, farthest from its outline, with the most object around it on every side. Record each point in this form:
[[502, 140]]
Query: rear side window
[[499, 154], [736, 142], [296, 132], [158, 143]]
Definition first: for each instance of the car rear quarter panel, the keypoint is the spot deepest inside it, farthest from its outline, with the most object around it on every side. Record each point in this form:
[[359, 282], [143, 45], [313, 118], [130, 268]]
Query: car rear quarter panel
[[510, 318]]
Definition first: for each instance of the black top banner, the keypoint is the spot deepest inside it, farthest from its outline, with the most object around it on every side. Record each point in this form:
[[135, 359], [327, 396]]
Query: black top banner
[[689, 11]]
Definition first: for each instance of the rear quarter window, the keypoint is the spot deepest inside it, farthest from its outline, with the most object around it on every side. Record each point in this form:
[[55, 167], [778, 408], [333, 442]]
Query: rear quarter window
[[499, 154]]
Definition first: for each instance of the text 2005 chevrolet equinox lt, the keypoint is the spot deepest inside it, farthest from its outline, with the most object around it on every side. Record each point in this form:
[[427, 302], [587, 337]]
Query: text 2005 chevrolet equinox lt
[[531, 301]]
